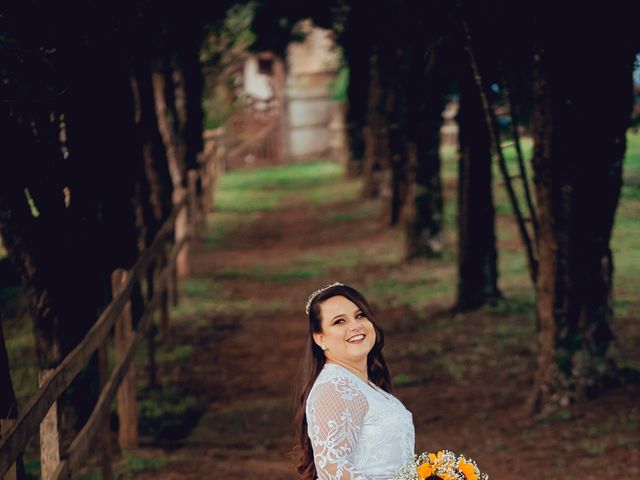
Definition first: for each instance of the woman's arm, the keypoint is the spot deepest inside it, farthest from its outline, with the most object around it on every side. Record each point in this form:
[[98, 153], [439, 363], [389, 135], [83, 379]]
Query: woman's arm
[[335, 411]]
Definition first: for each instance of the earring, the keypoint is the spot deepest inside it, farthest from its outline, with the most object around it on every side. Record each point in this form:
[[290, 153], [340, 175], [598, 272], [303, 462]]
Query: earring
[[324, 347]]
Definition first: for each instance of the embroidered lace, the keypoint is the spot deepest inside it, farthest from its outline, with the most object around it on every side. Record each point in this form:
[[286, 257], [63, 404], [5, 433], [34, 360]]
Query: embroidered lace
[[357, 430]]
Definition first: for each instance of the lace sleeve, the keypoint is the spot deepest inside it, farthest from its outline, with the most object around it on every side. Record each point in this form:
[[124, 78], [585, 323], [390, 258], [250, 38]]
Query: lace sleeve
[[335, 410]]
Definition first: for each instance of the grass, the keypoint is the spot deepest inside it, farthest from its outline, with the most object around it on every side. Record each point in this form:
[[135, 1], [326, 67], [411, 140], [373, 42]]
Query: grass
[[132, 464], [168, 413], [205, 300]]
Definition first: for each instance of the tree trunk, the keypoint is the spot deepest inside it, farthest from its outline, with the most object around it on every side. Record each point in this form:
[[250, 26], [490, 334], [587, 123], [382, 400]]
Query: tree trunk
[[394, 64], [477, 254], [357, 51], [423, 218], [376, 140], [153, 150], [8, 404], [167, 113], [188, 85], [579, 147]]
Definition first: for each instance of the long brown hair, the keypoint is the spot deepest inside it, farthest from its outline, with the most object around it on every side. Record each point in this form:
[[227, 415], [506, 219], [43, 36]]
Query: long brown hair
[[314, 361]]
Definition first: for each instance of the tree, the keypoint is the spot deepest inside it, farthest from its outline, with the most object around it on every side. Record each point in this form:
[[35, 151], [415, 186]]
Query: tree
[[579, 126], [356, 44], [430, 81], [477, 253]]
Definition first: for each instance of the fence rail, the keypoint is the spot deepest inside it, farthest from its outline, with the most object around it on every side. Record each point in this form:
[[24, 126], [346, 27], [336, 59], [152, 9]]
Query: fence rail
[[16, 435]]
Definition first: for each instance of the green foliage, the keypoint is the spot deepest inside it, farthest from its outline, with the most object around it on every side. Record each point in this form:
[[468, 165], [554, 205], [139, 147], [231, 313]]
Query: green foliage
[[340, 84], [218, 107], [223, 53], [226, 45]]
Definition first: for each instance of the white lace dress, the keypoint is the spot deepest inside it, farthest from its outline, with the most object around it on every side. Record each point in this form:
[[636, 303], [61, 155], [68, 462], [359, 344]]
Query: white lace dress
[[357, 430]]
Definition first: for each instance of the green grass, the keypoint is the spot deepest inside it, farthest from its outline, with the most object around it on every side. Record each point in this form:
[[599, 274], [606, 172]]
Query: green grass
[[204, 301], [241, 193], [289, 178], [168, 413], [132, 464], [626, 232], [262, 190], [415, 286]]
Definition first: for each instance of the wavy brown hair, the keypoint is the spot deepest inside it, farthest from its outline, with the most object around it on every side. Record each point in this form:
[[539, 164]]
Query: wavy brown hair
[[314, 361]]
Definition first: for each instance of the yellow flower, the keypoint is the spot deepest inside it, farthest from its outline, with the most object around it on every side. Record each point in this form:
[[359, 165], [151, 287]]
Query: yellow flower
[[436, 459], [424, 471], [468, 469]]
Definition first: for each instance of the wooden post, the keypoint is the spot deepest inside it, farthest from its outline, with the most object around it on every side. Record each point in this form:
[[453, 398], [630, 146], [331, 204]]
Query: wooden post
[[5, 426], [194, 211], [49, 436], [105, 440], [181, 230], [205, 198], [164, 305], [127, 405], [174, 285]]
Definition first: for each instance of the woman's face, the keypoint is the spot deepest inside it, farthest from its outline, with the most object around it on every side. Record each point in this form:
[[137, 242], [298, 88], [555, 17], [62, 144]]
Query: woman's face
[[347, 333]]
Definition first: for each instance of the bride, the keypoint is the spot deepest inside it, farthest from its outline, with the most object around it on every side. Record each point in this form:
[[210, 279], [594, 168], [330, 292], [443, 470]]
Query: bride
[[349, 425]]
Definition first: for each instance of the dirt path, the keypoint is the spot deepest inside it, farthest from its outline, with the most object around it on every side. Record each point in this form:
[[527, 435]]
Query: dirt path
[[464, 377]]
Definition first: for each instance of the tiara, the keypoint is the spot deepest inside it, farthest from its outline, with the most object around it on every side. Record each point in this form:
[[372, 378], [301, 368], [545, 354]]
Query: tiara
[[318, 292]]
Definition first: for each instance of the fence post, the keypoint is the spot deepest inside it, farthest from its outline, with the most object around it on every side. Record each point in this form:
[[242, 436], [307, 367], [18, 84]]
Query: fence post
[[103, 372], [181, 230], [164, 300], [123, 335], [49, 436], [5, 426]]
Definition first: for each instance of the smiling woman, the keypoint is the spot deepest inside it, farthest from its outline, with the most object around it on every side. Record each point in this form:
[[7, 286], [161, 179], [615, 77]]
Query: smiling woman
[[350, 426]]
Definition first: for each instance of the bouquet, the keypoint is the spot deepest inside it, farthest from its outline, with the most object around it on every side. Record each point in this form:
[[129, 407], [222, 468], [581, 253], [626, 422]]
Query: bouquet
[[444, 465]]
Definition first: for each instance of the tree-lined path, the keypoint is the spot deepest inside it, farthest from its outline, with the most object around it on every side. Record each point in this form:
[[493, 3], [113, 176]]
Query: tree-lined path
[[276, 235]]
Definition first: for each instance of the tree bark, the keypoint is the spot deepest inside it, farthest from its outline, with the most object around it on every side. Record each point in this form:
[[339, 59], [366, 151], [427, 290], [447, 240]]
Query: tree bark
[[8, 404], [376, 140], [477, 254], [167, 114], [188, 84], [423, 217], [357, 49], [154, 153], [579, 147]]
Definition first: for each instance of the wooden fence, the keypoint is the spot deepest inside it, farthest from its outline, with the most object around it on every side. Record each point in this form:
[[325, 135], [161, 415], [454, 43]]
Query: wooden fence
[[254, 135], [181, 229]]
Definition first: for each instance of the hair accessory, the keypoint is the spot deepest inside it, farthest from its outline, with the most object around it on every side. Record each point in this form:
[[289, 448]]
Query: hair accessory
[[318, 292]]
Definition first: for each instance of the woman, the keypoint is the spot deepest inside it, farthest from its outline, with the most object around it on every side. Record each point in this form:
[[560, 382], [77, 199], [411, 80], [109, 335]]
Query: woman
[[349, 425]]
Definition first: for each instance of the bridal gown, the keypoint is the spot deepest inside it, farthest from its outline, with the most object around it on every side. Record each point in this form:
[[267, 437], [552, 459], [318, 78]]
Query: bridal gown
[[357, 430]]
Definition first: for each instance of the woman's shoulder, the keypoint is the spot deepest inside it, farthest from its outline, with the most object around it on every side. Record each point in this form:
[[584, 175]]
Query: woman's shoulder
[[336, 382]]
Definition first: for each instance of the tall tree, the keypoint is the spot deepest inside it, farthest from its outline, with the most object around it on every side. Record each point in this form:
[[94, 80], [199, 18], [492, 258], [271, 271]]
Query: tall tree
[[8, 403], [579, 126], [356, 44], [477, 253], [424, 214]]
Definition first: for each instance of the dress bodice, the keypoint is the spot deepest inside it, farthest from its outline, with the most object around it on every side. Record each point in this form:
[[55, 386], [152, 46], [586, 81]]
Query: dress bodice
[[357, 430]]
